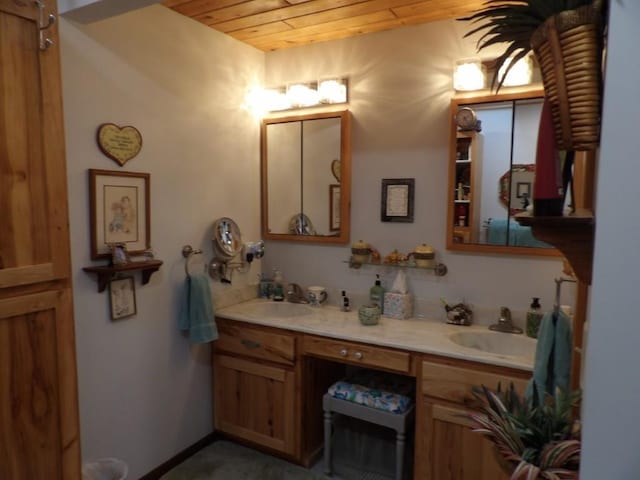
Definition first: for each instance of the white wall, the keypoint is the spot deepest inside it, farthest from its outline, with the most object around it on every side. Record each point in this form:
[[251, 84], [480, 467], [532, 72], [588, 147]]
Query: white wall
[[612, 389], [145, 392], [400, 85]]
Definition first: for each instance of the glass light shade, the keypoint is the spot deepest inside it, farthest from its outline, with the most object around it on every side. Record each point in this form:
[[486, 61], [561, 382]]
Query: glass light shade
[[469, 75], [303, 95], [520, 74], [332, 90], [275, 99]]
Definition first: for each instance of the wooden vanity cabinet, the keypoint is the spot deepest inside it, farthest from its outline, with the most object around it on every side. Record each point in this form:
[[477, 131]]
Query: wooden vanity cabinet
[[445, 446], [254, 386]]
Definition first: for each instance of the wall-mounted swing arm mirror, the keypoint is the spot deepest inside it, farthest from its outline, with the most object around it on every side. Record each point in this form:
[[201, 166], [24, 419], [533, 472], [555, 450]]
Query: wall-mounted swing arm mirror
[[306, 177], [491, 173]]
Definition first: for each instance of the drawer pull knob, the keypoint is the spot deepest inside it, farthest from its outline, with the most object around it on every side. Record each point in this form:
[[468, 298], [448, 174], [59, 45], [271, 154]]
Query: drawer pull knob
[[343, 352], [358, 355], [250, 344]]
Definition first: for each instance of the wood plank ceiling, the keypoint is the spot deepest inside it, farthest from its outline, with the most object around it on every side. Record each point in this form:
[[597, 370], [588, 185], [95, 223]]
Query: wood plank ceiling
[[276, 24]]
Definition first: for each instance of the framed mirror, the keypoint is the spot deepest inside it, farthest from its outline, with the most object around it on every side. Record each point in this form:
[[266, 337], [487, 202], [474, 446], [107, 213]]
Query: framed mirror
[[306, 177], [491, 173]]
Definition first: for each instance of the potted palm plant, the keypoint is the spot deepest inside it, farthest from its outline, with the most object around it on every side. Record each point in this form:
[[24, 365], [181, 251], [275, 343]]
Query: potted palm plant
[[566, 37], [532, 441]]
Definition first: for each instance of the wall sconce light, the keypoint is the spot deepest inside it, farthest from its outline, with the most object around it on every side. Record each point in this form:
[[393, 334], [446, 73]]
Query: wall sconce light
[[520, 74], [303, 94], [469, 74]]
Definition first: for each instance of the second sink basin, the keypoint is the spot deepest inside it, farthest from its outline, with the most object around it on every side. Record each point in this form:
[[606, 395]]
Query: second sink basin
[[497, 343], [280, 309]]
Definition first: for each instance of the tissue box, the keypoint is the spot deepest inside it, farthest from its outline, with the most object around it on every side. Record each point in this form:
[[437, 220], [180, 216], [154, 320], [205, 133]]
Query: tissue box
[[398, 305]]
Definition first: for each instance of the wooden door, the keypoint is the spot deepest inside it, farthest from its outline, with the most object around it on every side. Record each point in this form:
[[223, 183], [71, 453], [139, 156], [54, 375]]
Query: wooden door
[[255, 402], [38, 395], [457, 453]]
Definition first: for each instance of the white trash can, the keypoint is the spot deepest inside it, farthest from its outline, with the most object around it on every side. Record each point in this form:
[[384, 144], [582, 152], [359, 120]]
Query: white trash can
[[105, 469]]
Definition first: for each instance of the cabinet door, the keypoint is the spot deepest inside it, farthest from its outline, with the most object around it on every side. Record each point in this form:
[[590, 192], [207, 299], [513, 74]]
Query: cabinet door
[[34, 239], [457, 453], [255, 402], [38, 409]]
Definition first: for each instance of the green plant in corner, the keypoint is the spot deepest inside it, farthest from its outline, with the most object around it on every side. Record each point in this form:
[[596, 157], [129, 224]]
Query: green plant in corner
[[534, 441], [514, 22]]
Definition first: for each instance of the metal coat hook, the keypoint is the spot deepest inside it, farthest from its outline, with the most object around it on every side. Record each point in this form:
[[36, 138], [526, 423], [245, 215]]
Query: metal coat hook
[[44, 42]]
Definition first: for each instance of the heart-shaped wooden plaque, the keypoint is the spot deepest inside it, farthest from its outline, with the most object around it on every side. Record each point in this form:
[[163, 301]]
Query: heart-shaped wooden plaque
[[120, 144]]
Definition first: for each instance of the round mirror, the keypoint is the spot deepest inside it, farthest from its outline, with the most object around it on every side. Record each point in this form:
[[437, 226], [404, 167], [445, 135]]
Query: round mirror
[[227, 241]]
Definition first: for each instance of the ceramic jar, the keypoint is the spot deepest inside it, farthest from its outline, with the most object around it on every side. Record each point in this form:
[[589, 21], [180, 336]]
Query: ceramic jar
[[423, 255], [316, 295], [369, 314], [360, 252]]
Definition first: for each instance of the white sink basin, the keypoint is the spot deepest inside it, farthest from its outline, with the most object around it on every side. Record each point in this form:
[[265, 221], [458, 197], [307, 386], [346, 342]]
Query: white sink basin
[[280, 309], [496, 342]]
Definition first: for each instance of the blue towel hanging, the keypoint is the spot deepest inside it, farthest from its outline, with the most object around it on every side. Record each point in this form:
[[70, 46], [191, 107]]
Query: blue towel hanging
[[196, 313], [552, 365]]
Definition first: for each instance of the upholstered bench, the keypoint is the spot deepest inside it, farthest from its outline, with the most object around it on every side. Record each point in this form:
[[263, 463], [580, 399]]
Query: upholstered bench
[[375, 397]]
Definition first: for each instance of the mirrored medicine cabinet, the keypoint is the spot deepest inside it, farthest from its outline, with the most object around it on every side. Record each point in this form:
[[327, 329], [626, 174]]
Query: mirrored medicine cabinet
[[306, 177], [491, 175]]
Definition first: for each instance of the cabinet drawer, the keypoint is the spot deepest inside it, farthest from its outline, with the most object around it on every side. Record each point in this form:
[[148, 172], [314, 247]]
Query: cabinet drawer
[[454, 383], [234, 337], [357, 353]]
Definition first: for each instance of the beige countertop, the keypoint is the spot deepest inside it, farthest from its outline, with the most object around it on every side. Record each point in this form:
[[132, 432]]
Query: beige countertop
[[414, 334]]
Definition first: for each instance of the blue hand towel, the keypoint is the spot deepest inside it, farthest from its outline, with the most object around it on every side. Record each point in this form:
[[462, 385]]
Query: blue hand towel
[[196, 314], [552, 365]]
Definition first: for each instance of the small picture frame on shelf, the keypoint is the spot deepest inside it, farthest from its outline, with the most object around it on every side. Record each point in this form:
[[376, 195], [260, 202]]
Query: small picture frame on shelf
[[119, 255], [122, 297], [397, 200]]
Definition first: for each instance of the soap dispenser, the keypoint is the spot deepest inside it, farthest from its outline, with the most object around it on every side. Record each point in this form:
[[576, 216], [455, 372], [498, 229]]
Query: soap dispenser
[[534, 317], [376, 294]]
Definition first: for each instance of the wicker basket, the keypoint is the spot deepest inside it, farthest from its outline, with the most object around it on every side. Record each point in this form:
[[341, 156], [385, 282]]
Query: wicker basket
[[568, 47]]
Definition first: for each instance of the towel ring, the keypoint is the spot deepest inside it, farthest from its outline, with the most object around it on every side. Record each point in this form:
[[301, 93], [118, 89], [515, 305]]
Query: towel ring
[[188, 253]]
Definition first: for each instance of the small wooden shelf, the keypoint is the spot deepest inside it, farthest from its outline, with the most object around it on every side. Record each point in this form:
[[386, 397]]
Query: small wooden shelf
[[105, 272], [571, 234]]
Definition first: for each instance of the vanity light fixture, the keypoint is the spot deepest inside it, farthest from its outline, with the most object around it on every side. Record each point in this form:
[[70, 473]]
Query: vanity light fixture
[[469, 74], [327, 91], [520, 74]]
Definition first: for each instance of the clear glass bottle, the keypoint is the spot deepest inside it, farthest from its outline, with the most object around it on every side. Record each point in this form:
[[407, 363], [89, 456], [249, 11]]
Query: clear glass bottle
[[534, 317]]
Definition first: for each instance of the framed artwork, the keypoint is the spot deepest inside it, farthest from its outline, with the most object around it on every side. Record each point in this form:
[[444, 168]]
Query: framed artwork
[[523, 189], [119, 212], [122, 297], [334, 208], [397, 200]]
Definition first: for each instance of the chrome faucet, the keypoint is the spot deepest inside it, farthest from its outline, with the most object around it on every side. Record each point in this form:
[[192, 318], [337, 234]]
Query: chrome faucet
[[295, 294], [505, 324]]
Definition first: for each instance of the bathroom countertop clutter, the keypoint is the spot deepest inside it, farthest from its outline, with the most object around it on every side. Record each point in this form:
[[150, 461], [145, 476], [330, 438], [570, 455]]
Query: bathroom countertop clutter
[[413, 334]]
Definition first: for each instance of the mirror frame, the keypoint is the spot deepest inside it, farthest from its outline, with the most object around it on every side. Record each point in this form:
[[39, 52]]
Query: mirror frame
[[345, 178], [456, 103]]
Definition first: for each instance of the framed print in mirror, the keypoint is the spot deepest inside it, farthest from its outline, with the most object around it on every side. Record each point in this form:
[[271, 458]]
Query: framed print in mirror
[[397, 200], [122, 298], [119, 211]]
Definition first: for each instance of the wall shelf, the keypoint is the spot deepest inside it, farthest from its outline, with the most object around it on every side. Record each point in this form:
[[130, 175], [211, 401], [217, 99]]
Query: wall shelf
[[105, 273], [439, 269], [571, 234]]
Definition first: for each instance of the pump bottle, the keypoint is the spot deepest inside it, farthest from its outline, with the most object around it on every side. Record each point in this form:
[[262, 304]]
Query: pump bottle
[[376, 294]]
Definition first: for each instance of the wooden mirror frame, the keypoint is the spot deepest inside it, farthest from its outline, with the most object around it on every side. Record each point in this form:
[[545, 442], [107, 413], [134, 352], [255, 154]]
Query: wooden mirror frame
[[345, 179], [456, 103]]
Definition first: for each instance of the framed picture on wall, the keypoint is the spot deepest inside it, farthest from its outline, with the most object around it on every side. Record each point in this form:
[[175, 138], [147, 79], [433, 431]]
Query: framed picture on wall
[[397, 200], [119, 211], [334, 208], [122, 298]]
